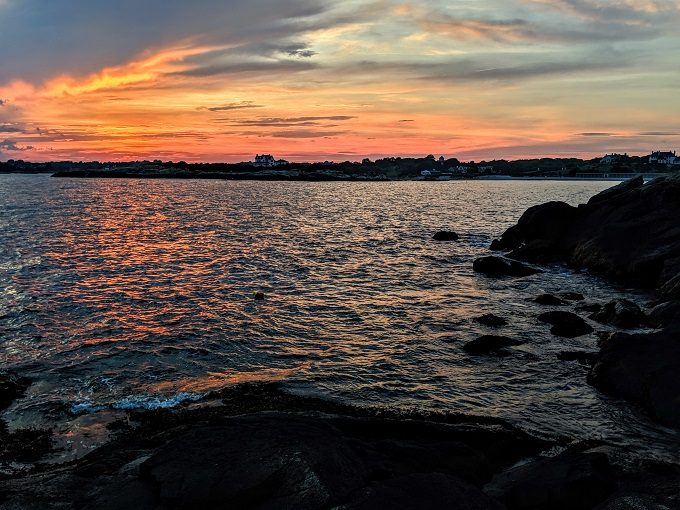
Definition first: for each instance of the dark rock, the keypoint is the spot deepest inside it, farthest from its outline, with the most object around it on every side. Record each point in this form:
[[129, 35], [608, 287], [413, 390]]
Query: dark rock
[[583, 357], [446, 236], [620, 189], [259, 296], [539, 224], [572, 296], [501, 266], [598, 235], [201, 458], [566, 324], [588, 307], [490, 344], [570, 481], [665, 314], [621, 313], [11, 387], [420, 491], [548, 300], [642, 368], [491, 320]]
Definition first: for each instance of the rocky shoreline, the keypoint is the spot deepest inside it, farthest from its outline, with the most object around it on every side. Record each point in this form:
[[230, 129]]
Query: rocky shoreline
[[256, 446]]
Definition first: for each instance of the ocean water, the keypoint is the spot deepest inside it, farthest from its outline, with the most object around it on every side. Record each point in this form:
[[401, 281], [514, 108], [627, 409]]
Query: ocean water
[[117, 294]]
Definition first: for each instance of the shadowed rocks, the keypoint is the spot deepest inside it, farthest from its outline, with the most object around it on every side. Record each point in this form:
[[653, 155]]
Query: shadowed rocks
[[642, 368], [501, 266], [11, 388], [621, 313], [548, 300], [305, 458], [566, 324], [570, 481], [598, 235], [490, 344]]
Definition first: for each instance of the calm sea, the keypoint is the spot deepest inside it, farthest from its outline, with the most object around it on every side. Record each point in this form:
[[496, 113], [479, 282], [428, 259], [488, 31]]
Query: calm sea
[[116, 294]]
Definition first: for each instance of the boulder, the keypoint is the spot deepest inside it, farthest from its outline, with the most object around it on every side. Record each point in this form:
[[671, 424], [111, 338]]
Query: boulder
[[566, 324], [621, 313], [445, 235], [488, 344], [491, 320], [501, 266], [642, 368], [570, 481], [548, 300], [665, 314]]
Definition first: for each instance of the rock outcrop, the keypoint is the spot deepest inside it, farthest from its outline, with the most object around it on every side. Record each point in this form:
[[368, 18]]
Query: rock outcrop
[[446, 235], [599, 235], [566, 324], [642, 368]]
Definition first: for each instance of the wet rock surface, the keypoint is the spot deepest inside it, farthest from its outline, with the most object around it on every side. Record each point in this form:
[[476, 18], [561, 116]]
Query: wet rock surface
[[490, 344], [621, 313], [566, 324], [548, 300]]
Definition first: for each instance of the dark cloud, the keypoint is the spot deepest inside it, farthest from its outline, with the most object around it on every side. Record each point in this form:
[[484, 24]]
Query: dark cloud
[[596, 134], [281, 122], [11, 145], [9, 128], [242, 105], [85, 36], [304, 133], [3, 102]]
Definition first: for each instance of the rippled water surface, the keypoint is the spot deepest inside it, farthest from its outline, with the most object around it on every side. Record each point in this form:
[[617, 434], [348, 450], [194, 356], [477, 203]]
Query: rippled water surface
[[129, 293]]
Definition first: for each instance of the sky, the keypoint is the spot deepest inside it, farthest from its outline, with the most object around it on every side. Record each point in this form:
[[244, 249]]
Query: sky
[[316, 80]]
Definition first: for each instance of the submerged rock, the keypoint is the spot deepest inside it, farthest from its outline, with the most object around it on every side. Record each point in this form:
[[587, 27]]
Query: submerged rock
[[642, 368], [501, 266], [548, 300], [491, 320], [445, 235], [621, 313], [588, 307], [566, 324], [490, 344]]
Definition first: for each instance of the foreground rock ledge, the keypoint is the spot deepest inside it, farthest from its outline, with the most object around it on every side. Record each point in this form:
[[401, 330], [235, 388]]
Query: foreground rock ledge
[[264, 449]]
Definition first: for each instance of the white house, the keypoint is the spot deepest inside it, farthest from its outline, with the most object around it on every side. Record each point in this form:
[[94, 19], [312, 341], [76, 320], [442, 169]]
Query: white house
[[610, 159], [664, 158], [268, 160]]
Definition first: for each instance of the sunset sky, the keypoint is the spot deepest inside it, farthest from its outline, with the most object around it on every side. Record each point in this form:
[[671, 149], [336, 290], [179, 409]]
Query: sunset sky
[[222, 80]]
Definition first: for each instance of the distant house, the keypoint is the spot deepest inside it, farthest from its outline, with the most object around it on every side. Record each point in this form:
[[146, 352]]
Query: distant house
[[267, 160], [486, 169], [610, 159], [664, 158], [426, 173], [460, 169]]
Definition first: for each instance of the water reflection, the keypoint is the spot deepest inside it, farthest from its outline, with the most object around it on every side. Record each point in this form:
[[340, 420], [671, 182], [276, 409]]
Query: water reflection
[[122, 293]]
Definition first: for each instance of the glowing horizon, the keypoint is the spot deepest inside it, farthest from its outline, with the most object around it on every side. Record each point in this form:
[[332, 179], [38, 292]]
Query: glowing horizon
[[314, 80]]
